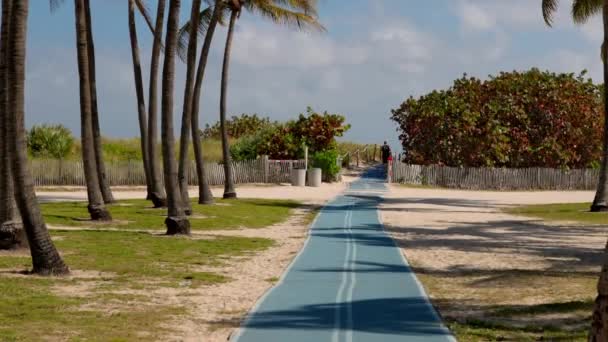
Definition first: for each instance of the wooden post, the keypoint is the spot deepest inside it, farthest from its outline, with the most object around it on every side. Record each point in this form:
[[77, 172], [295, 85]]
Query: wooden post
[[305, 157], [266, 163], [357, 158]]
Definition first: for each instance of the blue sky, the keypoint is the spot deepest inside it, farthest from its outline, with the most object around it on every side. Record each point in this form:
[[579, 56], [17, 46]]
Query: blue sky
[[375, 54]]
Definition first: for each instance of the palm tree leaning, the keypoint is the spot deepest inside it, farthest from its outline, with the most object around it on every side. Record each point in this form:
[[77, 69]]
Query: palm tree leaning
[[208, 20], [157, 196], [582, 10], [96, 206], [300, 14], [139, 91], [12, 235], [104, 184], [204, 191], [45, 258], [184, 141], [176, 221]]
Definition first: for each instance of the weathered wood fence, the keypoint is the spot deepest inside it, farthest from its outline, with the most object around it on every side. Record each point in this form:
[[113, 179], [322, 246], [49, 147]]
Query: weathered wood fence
[[496, 178], [53, 172]]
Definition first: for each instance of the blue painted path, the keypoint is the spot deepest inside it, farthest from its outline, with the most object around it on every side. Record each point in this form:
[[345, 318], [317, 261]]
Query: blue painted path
[[349, 282]]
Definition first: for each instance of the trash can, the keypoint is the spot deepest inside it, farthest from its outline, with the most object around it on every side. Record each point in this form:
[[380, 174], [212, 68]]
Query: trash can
[[298, 177], [314, 177]]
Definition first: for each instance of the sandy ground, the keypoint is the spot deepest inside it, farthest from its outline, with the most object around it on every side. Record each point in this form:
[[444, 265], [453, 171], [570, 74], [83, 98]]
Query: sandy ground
[[215, 311], [453, 235]]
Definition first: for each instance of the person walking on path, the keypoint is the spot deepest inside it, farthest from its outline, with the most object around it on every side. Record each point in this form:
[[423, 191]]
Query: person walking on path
[[386, 152]]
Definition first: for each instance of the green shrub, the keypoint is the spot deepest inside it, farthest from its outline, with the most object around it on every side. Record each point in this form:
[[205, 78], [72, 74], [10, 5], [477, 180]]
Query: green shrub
[[244, 149], [50, 141], [327, 162], [237, 127], [516, 119]]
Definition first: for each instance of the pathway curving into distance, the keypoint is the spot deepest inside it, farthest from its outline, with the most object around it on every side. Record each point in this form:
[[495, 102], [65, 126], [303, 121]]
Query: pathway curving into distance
[[349, 283]]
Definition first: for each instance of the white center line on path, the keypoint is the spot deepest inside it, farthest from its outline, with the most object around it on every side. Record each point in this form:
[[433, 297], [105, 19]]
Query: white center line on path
[[337, 314], [353, 275]]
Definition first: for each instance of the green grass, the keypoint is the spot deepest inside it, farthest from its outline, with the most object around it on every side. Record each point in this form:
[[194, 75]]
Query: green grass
[[481, 331], [572, 212], [30, 311], [30, 307], [139, 214], [130, 149]]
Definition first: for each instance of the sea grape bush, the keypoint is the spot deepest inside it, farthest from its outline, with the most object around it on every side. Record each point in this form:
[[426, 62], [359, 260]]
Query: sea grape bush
[[286, 140], [237, 127], [516, 119]]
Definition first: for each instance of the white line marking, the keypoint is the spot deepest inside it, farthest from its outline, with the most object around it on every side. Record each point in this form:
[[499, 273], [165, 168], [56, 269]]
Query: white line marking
[[353, 276], [243, 326], [337, 313]]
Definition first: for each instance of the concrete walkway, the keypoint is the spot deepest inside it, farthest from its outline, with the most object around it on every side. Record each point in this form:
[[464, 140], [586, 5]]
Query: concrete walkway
[[349, 283]]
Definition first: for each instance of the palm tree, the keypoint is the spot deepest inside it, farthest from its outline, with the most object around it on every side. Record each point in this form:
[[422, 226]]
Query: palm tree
[[96, 205], [296, 13], [176, 222], [582, 10], [158, 196], [104, 185], [187, 108], [204, 191], [12, 234], [45, 258], [139, 91]]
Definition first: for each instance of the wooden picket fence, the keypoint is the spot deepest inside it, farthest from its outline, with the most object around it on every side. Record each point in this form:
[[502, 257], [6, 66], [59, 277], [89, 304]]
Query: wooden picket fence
[[495, 178], [53, 172]]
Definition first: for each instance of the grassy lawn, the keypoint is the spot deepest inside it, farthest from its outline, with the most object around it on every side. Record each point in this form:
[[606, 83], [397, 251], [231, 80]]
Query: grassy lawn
[[119, 303], [571, 212], [139, 214]]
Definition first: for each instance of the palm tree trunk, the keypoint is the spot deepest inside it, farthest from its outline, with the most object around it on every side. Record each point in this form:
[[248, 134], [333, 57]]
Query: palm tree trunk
[[229, 191], [45, 258], [204, 192], [104, 185], [599, 323], [184, 142], [158, 196], [12, 235], [176, 222], [96, 206], [139, 90]]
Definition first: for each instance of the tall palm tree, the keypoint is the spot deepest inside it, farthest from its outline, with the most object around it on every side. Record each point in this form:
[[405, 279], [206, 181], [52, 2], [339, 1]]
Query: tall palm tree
[[582, 10], [300, 14], [158, 196], [45, 258], [96, 205], [12, 234], [139, 91], [176, 221], [204, 191], [104, 184], [184, 141]]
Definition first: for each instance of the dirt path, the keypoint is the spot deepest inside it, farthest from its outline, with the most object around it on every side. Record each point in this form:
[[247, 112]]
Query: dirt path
[[475, 260]]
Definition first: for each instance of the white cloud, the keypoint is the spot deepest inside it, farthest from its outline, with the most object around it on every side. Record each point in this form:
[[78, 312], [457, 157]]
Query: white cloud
[[475, 17]]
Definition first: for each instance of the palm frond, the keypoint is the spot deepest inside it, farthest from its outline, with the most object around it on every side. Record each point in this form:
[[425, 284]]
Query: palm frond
[[549, 8], [582, 10], [283, 16], [204, 19], [307, 6]]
